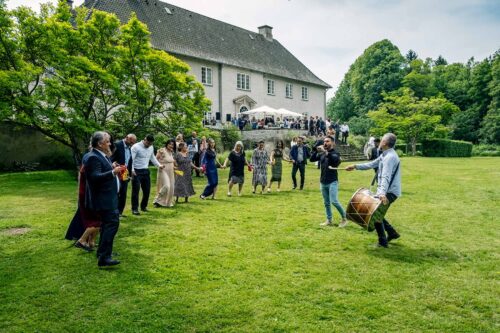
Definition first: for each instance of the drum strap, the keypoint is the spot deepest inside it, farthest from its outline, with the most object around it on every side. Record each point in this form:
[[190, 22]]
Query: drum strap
[[393, 176]]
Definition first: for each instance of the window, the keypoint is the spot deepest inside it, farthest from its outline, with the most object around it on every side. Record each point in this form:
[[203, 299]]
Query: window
[[243, 81], [305, 94], [289, 90], [270, 87], [206, 75]]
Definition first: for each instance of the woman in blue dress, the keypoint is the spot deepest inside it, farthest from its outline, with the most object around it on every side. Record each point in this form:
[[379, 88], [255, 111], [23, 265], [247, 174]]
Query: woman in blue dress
[[209, 165]]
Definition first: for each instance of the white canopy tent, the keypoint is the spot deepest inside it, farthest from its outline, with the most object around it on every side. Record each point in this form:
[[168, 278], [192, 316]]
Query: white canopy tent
[[288, 113], [265, 110]]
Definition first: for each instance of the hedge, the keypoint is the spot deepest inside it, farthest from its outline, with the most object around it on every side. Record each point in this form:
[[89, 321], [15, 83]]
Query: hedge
[[446, 148]]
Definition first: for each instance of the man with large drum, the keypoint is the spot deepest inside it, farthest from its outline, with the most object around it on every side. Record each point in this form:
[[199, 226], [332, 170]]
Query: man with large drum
[[389, 183]]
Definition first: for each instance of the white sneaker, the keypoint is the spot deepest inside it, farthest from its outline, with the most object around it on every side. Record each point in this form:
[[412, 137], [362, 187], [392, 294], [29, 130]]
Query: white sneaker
[[278, 190], [268, 190], [228, 194], [239, 194], [327, 223], [343, 223]]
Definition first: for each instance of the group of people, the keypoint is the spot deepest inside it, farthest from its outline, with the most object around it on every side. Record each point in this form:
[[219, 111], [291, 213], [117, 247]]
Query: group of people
[[107, 169]]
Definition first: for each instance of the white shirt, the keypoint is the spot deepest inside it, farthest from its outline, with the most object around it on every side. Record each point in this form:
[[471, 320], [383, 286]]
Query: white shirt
[[142, 155]]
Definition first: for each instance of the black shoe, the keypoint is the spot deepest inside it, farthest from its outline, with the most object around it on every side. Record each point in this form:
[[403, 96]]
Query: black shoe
[[293, 188], [382, 245], [144, 209], [107, 262], [136, 212], [123, 216], [84, 247], [156, 205], [301, 188], [395, 235]]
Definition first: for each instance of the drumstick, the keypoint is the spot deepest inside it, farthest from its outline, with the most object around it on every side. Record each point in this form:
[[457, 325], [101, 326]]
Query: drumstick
[[332, 168]]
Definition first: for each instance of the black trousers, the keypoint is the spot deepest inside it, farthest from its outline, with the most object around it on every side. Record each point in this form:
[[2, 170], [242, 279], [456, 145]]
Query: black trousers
[[385, 227], [302, 168], [196, 162], [109, 228], [141, 181], [122, 195]]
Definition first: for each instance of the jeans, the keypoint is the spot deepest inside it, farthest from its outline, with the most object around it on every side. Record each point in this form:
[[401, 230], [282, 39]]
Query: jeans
[[141, 180], [330, 197], [384, 227], [302, 168]]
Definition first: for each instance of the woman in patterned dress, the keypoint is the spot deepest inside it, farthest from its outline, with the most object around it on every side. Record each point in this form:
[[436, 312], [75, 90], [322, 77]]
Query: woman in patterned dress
[[260, 159], [183, 181], [165, 182], [277, 166]]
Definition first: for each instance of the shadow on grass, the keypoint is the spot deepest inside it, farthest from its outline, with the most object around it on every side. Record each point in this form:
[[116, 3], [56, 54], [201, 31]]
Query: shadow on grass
[[400, 253]]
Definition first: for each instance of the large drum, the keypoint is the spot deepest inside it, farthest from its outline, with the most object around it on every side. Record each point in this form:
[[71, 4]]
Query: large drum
[[365, 209]]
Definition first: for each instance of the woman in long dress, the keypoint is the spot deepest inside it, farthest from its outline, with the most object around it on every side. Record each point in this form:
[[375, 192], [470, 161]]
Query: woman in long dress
[[165, 182], [277, 158], [237, 169], [209, 164], [183, 181], [260, 159]]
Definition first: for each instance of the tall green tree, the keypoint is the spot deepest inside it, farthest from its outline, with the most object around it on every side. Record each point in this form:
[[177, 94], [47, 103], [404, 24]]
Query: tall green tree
[[376, 71], [67, 76], [410, 118], [490, 126]]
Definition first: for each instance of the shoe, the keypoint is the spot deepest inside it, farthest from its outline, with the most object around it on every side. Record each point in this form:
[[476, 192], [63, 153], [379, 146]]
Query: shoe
[[293, 188], [83, 247], [268, 190], [136, 212], [381, 245], [278, 190], [156, 205], [228, 194], [239, 194], [395, 235], [202, 197], [144, 209], [123, 216], [343, 223], [301, 188], [327, 223], [107, 262]]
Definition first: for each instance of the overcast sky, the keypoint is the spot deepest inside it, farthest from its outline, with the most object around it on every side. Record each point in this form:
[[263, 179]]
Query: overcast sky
[[328, 35]]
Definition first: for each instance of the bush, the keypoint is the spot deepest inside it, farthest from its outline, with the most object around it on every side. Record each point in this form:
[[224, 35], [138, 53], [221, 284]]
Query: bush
[[446, 148], [486, 150], [360, 125], [57, 160], [356, 141], [407, 148], [229, 135]]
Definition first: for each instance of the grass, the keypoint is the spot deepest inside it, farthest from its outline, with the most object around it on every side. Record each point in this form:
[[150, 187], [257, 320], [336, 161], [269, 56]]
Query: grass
[[260, 263]]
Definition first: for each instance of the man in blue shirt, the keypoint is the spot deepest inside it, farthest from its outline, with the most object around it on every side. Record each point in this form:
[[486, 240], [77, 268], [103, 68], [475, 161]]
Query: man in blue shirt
[[389, 183]]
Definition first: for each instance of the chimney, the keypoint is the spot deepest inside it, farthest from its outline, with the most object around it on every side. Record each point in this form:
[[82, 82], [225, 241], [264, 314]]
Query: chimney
[[267, 32], [70, 3]]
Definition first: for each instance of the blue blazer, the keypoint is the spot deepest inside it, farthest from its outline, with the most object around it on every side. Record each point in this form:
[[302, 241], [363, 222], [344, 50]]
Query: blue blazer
[[294, 152], [102, 193]]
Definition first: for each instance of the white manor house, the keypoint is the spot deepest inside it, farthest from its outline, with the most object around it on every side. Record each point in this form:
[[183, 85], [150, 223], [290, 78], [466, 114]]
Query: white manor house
[[240, 69]]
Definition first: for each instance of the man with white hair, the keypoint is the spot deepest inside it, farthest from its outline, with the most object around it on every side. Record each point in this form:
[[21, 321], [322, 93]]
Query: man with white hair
[[389, 183]]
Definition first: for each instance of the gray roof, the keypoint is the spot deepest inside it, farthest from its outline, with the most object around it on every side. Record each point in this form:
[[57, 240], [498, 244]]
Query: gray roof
[[190, 34]]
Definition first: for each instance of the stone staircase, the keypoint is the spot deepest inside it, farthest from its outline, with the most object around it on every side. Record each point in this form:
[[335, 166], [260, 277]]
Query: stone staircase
[[349, 153]]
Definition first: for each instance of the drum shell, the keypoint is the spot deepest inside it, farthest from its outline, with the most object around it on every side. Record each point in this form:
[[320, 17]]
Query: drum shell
[[365, 209]]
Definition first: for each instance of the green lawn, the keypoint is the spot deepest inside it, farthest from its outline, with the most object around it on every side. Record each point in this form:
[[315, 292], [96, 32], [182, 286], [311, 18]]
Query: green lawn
[[261, 263]]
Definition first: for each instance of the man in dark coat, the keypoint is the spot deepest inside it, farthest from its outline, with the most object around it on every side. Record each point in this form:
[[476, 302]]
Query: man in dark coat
[[102, 194], [123, 156]]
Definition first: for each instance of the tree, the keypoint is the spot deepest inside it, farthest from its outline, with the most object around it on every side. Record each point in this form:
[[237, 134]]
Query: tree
[[377, 70], [440, 61], [67, 76], [410, 56], [490, 126], [410, 118]]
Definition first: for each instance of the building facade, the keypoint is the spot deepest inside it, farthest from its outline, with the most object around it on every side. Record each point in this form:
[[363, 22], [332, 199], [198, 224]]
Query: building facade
[[240, 69]]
